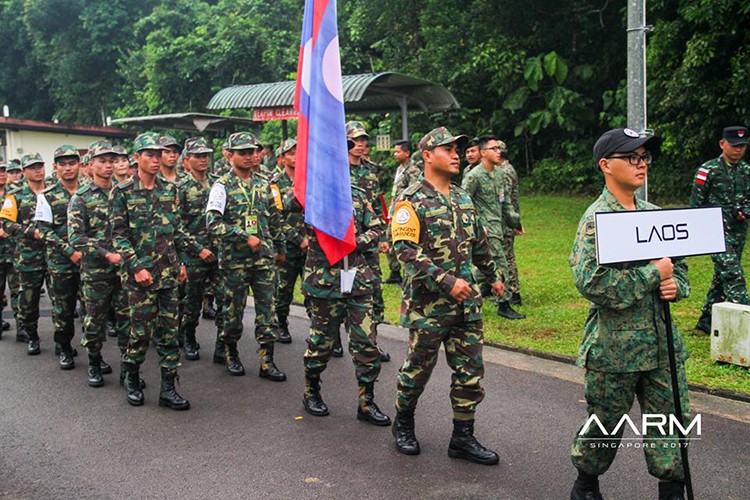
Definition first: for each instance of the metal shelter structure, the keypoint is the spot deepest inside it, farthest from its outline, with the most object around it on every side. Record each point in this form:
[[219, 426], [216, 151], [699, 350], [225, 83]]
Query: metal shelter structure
[[365, 93], [203, 123]]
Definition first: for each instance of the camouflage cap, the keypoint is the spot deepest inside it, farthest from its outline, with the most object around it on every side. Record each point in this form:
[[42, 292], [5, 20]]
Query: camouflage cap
[[197, 145], [287, 146], [66, 150], [98, 148], [12, 166], [355, 129], [86, 158], [440, 137], [31, 159], [119, 150], [132, 161], [168, 140], [503, 146], [243, 140], [147, 140]]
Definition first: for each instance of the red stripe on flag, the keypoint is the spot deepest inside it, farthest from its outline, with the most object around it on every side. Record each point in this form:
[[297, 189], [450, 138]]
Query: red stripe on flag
[[700, 182], [334, 249]]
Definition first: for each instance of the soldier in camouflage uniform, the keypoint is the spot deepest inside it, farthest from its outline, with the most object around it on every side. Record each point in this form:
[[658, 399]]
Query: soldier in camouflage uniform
[[15, 179], [296, 241], [364, 174], [169, 159], [120, 164], [437, 234], [88, 232], [193, 191], [473, 158], [6, 250], [487, 187], [329, 306], [725, 182], [624, 347], [15, 174], [18, 221], [509, 240], [63, 261], [242, 211], [147, 231], [407, 173]]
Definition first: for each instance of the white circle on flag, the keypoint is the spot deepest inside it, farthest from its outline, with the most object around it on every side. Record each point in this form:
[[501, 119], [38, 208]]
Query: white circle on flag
[[306, 61], [332, 70], [403, 216]]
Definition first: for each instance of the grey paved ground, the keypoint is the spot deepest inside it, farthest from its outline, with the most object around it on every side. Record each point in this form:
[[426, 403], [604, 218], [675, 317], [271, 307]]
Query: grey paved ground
[[249, 438]]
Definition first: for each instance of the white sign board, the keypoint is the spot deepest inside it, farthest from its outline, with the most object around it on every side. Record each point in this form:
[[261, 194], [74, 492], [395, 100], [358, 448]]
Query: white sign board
[[653, 234]]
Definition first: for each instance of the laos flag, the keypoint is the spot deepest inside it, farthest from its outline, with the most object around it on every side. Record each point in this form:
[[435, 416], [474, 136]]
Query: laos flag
[[321, 180]]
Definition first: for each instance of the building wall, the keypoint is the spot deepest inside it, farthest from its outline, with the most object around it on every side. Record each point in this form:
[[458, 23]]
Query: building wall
[[21, 142]]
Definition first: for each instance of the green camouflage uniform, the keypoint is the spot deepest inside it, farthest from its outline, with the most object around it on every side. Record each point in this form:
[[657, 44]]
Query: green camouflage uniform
[[717, 183], [89, 232], [451, 238], [512, 283], [249, 208], [65, 277], [328, 306], [624, 349], [147, 231], [488, 192], [405, 176], [6, 262]]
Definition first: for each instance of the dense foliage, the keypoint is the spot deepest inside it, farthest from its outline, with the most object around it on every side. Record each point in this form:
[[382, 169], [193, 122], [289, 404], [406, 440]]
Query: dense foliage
[[547, 76]]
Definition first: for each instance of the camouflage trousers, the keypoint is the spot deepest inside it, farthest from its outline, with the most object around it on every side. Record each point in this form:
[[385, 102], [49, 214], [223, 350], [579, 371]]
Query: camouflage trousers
[[326, 316], [6, 268], [287, 272], [153, 313], [15, 287], [509, 246], [30, 285], [63, 293], [235, 283], [463, 351], [728, 283], [99, 297], [498, 255], [199, 278], [609, 396], [378, 306]]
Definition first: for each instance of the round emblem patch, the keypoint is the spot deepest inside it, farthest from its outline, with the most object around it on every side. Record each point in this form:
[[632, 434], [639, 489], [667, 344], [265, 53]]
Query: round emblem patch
[[403, 216], [631, 133]]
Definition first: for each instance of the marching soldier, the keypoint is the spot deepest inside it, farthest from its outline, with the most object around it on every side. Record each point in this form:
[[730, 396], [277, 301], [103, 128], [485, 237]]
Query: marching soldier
[[437, 235], [6, 249], [512, 282]]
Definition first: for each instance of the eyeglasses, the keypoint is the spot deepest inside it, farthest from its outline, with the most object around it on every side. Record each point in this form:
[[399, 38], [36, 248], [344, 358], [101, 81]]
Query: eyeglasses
[[635, 159], [496, 149]]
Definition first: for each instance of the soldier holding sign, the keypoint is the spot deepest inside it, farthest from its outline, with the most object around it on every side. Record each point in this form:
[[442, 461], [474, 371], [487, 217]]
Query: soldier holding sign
[[624, 348]]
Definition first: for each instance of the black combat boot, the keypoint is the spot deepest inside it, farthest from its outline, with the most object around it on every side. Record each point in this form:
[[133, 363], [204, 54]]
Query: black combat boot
[[219, 357], [394, 278], [95, 370], [384, 356], [338, 350], [106, 369], [33, 348], [268, 368], [123, 374], [367, 409], [6, 326], [22, 336], [312, 401], [704, 324], [192, 352], [586, 487], [111, 330], [58, 350], [403, 430], [504, 310], [168, 395], [232, 360], [284, 336], [66, 357], [671, 490], [515, 299], [133, 385], [209, 311], [464, 445]]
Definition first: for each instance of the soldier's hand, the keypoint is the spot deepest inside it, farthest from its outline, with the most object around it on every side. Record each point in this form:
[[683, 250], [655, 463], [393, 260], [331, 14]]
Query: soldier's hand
[[741, 216], [461, 290], [384, 247], [76, 257], [3, 234], [665, 267], [668, 289], [280, 258], [207, 255], [183, 273], [304, 245], [37, 234], [254, 243], [498, 289], [113, 258], [519, 232], [143, 278]]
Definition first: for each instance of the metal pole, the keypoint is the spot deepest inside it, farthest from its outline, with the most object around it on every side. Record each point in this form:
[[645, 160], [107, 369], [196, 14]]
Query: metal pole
[[404, 118], [636, 43]]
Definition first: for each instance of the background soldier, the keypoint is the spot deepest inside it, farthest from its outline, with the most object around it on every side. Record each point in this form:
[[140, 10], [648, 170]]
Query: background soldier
[[513, 195], [121, 164], [243, 213], [624, 348], [17, 217], [15, 174], [6, 250], [472, 155], [147, 232], [725, 182], [487, 187], [89, 234], [437, 235]]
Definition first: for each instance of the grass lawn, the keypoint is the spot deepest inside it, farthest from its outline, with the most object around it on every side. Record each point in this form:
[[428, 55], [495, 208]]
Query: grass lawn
[[556, 311]]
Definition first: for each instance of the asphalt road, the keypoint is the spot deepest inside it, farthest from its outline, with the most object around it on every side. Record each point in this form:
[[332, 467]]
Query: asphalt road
[[249, 438]]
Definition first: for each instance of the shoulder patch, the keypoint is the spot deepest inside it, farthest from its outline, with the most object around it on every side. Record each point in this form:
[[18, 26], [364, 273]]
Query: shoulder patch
[[405, 223], [277, 196], [43, 209], [589, 229], [217, 198], [10, 209]]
